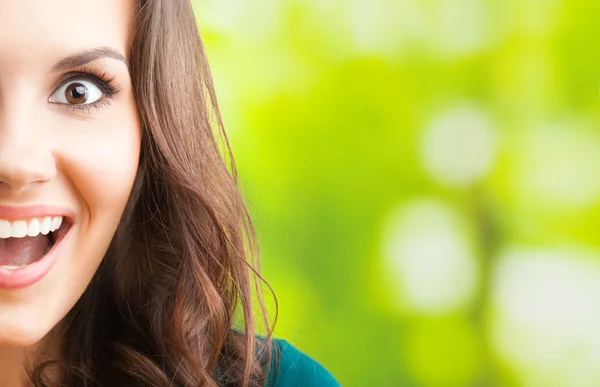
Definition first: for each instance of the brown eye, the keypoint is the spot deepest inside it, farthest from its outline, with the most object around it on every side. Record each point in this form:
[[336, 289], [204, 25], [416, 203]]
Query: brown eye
[[77, 92]]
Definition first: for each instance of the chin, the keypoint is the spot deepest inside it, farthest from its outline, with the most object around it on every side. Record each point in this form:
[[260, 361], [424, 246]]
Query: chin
[[22, 334]]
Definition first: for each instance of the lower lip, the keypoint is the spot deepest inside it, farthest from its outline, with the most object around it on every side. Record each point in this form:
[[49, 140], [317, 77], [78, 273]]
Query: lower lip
[[32, 273]]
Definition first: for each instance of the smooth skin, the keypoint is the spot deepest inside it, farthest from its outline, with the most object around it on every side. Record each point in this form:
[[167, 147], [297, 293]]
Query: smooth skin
[[52, 152]]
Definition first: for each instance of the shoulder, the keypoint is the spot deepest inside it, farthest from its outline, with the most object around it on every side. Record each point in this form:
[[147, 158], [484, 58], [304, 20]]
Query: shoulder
[[292, 368]]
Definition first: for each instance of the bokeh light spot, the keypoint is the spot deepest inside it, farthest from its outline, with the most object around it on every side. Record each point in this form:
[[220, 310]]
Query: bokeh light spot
[[459, 146], [386, 27], [546, 328], [459, 27], [429, 259], [557, 164]]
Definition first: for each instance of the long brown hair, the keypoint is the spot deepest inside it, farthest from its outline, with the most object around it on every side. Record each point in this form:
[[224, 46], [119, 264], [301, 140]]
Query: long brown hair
[[161, 309]]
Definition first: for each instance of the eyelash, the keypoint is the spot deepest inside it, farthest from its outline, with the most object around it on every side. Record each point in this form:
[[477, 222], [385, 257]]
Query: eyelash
[[100, 79]]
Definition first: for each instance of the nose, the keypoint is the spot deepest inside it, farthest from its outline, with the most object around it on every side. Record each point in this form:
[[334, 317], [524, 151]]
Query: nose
[[24, 160], [24, 164], [26, 157]]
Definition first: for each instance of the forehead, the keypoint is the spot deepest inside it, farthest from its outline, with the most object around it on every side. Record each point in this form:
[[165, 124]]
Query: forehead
[[42, 31]]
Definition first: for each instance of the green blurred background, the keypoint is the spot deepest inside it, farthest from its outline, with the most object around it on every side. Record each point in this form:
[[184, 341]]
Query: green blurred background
[[424, 178]]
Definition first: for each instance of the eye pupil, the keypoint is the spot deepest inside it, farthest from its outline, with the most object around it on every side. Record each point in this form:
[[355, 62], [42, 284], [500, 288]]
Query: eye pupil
[[76, 93]]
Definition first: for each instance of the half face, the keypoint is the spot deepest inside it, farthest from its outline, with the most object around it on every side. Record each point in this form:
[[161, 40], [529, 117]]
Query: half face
[[69, 150]]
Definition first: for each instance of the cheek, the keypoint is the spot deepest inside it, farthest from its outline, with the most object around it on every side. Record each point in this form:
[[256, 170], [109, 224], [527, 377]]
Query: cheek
[[96, 161], [101, 166], [100, 158], [97, 164]]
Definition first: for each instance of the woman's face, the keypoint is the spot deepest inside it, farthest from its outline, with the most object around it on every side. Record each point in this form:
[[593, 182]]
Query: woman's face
[[69, 147]]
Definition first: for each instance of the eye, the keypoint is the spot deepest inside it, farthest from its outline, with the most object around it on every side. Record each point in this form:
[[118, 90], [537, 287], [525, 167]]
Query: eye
[[77, 92]]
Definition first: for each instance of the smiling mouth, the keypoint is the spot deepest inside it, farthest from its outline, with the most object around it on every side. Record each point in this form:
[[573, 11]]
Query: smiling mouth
[[24, 242]]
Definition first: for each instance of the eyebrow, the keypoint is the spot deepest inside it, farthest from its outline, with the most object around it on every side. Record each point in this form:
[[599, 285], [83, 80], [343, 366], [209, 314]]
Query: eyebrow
[[84, 57]]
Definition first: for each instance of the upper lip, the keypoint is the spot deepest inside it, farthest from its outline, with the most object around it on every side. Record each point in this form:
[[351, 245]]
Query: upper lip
[[12, 213]]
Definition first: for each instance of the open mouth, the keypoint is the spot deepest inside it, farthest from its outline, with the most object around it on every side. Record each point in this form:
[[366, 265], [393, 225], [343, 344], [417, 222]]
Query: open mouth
[[24, 242]]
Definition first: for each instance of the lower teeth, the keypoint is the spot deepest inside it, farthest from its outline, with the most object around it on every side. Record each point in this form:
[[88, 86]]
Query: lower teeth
[[9, 267]]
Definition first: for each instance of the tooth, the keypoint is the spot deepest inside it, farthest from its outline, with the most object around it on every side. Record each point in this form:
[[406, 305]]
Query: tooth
[[59, 220], [18, 229], [33, 228], [44, 226], [55, 223], [4, 229], [10, 267]]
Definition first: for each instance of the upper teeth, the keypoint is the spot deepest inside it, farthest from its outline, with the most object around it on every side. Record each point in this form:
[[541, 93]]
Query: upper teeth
[[32, 227]]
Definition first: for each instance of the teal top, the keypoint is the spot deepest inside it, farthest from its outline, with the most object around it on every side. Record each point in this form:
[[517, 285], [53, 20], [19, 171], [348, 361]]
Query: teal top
[[292, 368]]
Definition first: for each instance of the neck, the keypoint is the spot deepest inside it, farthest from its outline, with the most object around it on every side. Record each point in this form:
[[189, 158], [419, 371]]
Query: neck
[[12, 367], [17, 362]]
